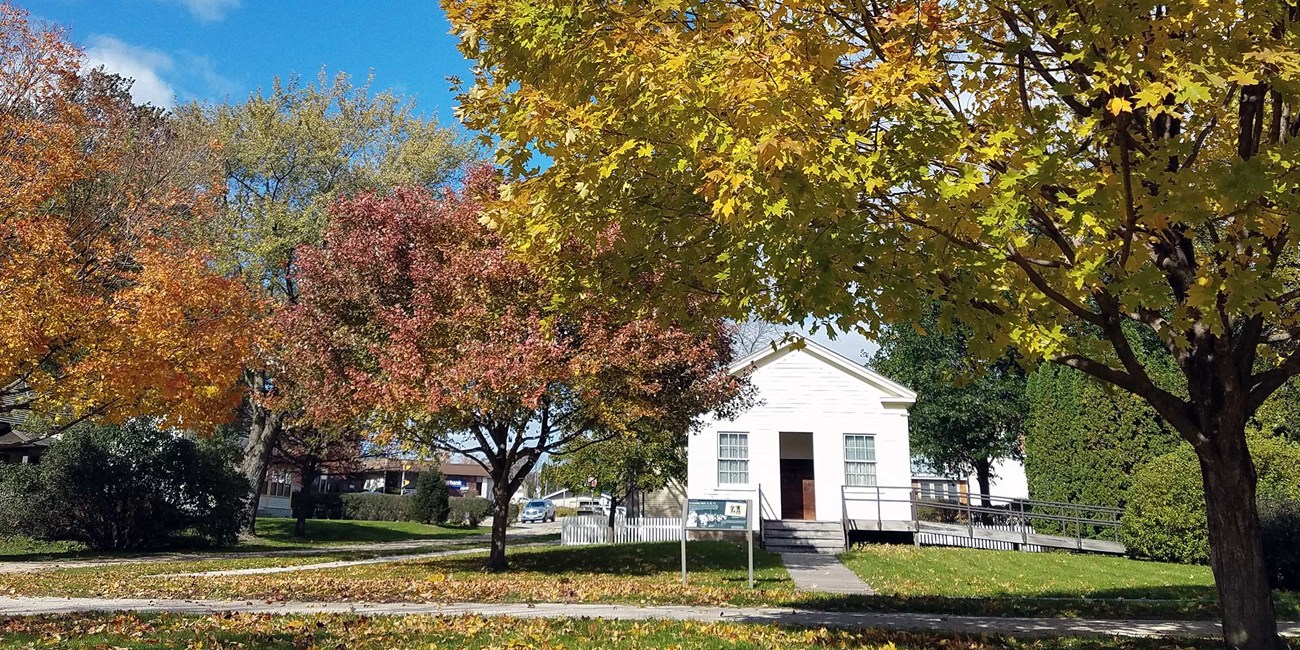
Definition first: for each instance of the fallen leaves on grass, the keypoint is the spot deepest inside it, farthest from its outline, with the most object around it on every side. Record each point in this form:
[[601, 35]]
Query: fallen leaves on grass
[[251, 631]]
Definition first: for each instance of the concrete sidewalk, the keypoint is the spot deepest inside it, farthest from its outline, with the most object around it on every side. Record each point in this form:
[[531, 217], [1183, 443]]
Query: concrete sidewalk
[[821, 572], [774, 616]]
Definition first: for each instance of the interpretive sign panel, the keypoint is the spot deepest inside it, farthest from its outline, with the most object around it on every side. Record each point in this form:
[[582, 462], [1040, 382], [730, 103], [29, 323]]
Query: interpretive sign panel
[[717, 514]]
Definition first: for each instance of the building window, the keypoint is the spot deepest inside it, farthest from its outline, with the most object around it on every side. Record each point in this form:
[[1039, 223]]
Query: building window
[[939, 491], [859, 460], [278, 484], [733, 458]]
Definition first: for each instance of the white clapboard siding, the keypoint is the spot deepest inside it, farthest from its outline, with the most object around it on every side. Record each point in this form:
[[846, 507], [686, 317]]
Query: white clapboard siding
[[577, 531]]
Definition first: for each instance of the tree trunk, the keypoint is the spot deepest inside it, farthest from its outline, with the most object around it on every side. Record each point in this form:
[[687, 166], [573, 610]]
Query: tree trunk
[[306, 506], [1236, 549], [611, 519], [500, 520], [262, 434], [984, 477]]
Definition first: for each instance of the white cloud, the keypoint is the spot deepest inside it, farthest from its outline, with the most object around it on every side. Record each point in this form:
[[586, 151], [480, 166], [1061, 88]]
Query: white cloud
[[202, 78], [146, 66], [209, 10]]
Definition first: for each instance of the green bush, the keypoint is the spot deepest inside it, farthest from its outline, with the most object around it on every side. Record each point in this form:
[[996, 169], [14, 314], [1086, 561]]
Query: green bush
[[1280, 520], [1164, 518], [564, 511], [319, 505], [22, 510], [431, 502], [128, 487], [469, 511], [371, 506]]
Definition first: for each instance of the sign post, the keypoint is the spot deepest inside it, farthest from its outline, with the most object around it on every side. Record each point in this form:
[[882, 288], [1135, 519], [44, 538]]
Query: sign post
[[718, 514]]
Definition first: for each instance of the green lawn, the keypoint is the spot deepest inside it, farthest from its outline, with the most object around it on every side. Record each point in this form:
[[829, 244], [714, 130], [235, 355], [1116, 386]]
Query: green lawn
[[253, 632], [273, 534], [278, 532], [951, 581], [930, 571]]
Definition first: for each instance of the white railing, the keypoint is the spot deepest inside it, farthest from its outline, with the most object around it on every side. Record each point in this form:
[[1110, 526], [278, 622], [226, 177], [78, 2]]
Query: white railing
[[577, 531]]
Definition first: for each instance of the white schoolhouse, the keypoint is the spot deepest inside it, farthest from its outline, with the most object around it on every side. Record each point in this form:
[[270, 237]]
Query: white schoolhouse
[[826, 441]]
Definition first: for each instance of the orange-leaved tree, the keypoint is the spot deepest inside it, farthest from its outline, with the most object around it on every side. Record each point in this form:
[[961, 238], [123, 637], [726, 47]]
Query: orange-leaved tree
[[109, 310], [415, 315]]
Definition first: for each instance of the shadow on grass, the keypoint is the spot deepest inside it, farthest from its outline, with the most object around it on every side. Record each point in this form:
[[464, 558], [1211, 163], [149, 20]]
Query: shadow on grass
[[626, 559], [1174, 603], [342, 531]]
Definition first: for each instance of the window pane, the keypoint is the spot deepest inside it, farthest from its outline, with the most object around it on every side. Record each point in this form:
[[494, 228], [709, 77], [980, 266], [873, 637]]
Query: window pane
[[733, 458], [860, 474], [860, 448]]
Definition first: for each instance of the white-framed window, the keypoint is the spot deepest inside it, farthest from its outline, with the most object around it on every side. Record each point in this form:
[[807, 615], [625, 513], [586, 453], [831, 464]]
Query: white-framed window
[[939, 491], [278, 484], [859, 460], [733, 458]]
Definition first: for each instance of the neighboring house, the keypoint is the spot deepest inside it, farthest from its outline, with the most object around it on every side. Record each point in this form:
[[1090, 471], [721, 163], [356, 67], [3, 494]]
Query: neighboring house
[[279, 486], [933, 486], [16, 445], [1008, 483], [1009, 480], [826, 439], [389, 475]]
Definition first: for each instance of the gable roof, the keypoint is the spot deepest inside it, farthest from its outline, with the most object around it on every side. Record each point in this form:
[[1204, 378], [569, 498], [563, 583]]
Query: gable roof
[[895, 393]]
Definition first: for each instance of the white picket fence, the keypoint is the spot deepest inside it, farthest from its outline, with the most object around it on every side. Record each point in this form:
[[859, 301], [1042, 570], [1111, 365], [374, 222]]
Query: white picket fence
[[576, 531]]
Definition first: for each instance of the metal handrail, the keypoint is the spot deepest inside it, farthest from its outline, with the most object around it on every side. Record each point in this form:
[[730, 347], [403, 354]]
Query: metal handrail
[[993, 498], [1027, 511]]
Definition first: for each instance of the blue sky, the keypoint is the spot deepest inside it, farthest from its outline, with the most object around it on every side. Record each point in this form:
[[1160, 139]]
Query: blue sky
[[212, 50]]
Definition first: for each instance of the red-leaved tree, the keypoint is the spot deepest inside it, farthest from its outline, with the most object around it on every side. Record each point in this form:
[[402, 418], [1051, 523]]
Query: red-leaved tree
[[414, 314]]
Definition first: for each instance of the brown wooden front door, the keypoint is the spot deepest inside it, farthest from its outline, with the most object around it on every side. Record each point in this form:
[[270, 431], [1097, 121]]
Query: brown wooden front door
[[798, 491]]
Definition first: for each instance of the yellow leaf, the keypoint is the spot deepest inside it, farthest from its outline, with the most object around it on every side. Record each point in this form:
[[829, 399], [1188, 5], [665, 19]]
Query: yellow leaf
[[1118, 105]]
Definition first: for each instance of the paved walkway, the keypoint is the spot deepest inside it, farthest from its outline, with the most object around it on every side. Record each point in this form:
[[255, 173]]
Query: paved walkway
[[775, 616], [823, 572]]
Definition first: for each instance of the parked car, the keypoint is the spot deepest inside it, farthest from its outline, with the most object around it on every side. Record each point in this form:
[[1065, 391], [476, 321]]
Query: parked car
[[537, 510], [592, 507]]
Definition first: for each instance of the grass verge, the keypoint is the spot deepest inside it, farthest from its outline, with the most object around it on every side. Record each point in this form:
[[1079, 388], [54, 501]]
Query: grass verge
[[141, 632], [274, 534]]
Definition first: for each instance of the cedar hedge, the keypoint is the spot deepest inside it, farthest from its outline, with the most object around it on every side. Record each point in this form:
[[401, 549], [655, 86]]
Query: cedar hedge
[[431, 503], [1084, 441]]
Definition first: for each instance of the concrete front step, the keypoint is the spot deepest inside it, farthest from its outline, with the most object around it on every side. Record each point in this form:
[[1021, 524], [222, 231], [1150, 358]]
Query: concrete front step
[[796, 536], [790, 546], [804, 534], [798, 524]]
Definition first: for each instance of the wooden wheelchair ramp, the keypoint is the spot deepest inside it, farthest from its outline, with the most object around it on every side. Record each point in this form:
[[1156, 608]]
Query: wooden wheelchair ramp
[[984, 521]]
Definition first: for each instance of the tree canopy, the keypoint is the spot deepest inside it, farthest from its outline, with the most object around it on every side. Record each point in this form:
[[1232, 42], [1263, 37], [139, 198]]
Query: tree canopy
[[285, 155], [1050, 171], [110, 308], [415, 315], [967, 415]]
